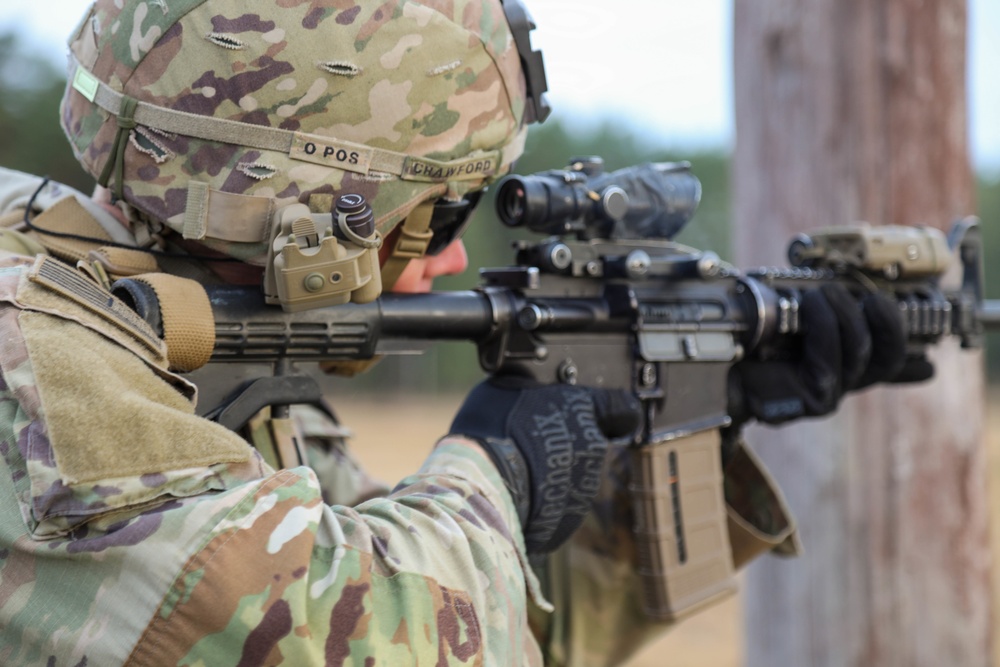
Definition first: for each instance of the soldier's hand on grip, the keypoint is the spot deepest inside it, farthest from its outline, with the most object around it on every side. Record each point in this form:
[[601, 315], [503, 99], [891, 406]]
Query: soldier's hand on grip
[[847, 344], [549, 443]]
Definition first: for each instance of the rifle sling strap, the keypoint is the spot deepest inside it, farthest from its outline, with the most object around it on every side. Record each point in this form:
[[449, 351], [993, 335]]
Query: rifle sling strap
[[188, 324], [68, 216]]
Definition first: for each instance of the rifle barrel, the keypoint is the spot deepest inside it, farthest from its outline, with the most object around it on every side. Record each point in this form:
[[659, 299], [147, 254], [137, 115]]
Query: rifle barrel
[[247, 330]]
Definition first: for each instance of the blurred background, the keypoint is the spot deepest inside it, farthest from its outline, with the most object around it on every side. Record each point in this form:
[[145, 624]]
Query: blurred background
[[651, 84]]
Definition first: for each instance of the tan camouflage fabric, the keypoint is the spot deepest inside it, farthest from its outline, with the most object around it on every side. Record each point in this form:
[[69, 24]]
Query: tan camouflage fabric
[[438, 81]]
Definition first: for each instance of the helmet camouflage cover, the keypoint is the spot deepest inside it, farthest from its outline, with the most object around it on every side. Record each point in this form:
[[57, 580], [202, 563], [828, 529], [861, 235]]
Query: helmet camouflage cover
[[207, 115]]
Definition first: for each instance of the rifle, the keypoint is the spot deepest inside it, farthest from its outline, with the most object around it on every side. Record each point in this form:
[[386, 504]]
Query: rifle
[[608, 299]]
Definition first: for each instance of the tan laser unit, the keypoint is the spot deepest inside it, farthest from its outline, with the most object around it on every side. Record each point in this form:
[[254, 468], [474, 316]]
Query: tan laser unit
[[893, 251]]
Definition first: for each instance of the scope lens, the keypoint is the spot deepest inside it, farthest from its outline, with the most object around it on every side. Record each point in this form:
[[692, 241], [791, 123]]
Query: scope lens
[[511, 202]]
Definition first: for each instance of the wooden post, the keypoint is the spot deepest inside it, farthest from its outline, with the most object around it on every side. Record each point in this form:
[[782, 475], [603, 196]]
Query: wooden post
[[852, 110]]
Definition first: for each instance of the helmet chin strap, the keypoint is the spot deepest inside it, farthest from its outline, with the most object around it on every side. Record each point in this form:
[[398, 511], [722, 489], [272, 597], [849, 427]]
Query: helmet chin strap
[[414, 235]]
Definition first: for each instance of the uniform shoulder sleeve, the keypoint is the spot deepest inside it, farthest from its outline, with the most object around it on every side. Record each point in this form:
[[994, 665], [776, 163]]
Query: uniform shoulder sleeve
[[429, 575], [341, 476], [101, 426]]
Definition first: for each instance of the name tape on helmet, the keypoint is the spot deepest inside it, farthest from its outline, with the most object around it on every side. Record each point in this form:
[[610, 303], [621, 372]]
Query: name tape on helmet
[[331, 153], [472, 168], [317, 149], [361, 159]]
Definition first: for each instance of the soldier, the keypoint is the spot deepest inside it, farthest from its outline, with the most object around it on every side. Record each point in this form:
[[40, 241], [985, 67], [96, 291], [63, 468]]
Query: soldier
[[138, 533]]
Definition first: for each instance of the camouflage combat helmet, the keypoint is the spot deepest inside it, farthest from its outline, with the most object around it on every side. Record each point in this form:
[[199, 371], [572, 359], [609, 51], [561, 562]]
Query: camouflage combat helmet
[[207, 115]]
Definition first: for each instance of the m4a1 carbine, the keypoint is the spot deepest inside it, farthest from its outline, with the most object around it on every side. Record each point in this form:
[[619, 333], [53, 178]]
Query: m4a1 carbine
[[607, 299]]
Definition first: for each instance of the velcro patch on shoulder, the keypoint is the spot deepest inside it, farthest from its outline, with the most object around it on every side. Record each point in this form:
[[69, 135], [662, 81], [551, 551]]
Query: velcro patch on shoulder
[[55, 288], [108, 415]]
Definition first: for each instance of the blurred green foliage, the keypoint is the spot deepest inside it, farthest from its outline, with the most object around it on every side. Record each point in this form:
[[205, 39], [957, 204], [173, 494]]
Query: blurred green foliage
[[32, 141], [988, 204], [31, 88]]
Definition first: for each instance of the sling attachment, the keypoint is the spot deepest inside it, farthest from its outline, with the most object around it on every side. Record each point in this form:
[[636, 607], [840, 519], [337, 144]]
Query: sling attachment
[[178, 309], [71, 232], [259, 411], [122, 262], [237, 410], [116, 161]]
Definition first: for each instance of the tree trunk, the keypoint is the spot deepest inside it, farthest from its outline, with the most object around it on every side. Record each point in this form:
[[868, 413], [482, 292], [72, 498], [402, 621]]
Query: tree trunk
[[852, 110]]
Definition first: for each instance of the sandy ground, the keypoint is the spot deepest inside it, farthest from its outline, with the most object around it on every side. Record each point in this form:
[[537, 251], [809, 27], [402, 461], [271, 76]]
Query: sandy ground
[[393, 442]]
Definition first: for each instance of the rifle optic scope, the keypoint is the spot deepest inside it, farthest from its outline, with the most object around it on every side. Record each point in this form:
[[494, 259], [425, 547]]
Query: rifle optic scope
[[653, 200]]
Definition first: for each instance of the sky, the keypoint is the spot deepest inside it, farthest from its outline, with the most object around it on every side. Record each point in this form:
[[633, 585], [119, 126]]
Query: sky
[[664, 66]]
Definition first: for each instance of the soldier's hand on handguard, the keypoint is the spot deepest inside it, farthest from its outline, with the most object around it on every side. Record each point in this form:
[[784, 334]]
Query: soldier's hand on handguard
[[847, 344], [549, 444]]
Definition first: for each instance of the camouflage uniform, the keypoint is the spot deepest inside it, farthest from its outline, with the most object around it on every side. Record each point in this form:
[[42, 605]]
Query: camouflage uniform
[[221, 559], [207, 554], [139, 533]]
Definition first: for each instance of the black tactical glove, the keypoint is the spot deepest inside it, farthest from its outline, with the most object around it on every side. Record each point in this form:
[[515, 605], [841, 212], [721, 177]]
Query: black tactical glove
[[549, 443], [846, 345]]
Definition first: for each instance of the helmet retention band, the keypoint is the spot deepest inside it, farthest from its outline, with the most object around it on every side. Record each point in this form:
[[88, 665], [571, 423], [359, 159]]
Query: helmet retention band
[[305, 147]]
